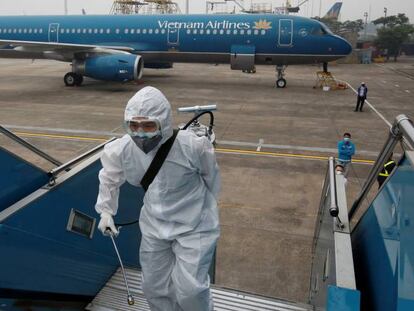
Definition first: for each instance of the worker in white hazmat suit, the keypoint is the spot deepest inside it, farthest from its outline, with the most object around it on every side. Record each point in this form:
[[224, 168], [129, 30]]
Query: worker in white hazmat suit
[[179, 219]]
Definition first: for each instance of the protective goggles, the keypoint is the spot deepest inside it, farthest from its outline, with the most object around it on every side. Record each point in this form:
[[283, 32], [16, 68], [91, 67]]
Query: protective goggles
[[142, 125]]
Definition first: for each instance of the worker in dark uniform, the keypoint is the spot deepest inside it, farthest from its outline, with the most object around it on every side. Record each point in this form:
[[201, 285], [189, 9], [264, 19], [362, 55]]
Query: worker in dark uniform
[[362, 96], [386, 171]]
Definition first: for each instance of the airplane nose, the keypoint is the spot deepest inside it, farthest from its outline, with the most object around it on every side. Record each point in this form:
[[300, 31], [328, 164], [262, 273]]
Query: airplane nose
[[345, 47]]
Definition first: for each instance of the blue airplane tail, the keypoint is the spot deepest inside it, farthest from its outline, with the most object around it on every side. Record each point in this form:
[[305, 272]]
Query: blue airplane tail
[[333, 13]]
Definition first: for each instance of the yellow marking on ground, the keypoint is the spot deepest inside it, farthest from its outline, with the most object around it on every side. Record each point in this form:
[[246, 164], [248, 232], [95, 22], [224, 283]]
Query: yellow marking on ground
[[41, 135], [288, 155], [220, 150]]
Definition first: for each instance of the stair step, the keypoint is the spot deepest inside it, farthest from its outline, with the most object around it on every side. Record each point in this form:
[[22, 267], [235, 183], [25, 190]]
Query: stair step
[[113, 297]]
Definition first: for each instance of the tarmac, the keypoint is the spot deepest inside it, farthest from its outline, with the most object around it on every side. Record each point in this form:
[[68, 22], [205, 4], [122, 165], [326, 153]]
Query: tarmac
[[273, 146]]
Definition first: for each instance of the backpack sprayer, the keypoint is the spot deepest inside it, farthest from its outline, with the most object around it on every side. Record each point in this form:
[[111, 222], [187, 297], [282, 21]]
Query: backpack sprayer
[[194, 124], [200, 130]]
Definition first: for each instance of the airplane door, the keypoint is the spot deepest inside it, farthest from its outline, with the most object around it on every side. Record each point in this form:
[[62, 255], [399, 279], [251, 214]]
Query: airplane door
[[54, 32], [285, 32], [173, 36]]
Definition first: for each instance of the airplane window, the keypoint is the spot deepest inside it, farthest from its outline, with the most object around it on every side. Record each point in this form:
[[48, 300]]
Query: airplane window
[[249, 32], [214, 31], [150, 31], [73, 30], [4, 30], [20, 31], [242, 32], [84, 30], [62, 30], [30, 30], [138, 31], [201, 31], [0, 30], [263, 32], [95, 30], [208, 31], [132, 31], [195, 31], [101, 31], [144, 31], [117, 30], [89, 30], [25, 30], [228, 32], [221, 31], [78, 30], [235, 32], [157, 31], [126, 31], [108, 31], [67, 30], [162, 31], [35, 30], [256, 32], [188, 31], [14, 30]]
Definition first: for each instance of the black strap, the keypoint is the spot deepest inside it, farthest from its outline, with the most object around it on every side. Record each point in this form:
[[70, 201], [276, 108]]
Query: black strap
[[158, 161]]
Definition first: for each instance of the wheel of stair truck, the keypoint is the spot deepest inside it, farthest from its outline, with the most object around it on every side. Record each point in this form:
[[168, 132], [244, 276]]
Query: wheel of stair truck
[[281, 83], [70, 79]]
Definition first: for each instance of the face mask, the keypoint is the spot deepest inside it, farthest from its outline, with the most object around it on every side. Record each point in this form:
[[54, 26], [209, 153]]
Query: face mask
[[148, 135], [147, 144], [347, 139]]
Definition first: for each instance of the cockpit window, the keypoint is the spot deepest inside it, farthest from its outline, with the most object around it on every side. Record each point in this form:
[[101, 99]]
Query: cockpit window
[[326, 29], [321, 30], [318, 31]]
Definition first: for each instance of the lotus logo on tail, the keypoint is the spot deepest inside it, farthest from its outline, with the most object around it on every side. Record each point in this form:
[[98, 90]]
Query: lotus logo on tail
[[263, 24]]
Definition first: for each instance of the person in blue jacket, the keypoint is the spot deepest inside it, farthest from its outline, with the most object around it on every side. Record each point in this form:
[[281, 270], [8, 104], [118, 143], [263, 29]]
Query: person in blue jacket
[[346, 149]]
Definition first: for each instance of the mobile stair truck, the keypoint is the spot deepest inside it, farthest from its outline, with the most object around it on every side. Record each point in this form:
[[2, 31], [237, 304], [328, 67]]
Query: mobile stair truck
[[52, 258]]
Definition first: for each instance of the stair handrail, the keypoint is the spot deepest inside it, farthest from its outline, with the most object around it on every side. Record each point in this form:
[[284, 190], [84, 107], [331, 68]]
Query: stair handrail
[[402, 129], [29, 146]]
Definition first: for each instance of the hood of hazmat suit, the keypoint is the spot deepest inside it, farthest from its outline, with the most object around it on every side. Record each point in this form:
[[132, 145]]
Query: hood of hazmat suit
[[179, 219]]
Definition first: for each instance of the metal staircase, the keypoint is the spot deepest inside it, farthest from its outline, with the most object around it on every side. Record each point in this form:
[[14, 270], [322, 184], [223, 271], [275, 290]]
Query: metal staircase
[[113, 297]]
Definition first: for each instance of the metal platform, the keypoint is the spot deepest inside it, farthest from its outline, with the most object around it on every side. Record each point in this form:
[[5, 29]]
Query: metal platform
[[113, 298]]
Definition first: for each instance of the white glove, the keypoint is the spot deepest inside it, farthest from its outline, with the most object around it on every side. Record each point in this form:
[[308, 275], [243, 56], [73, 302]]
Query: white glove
[[107, 222]]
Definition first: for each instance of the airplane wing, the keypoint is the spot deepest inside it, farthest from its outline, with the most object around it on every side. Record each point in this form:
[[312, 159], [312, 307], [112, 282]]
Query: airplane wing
[[55, 50]]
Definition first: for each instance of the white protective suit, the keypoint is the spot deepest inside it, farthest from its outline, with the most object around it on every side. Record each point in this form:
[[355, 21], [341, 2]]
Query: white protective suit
[[179, 219]]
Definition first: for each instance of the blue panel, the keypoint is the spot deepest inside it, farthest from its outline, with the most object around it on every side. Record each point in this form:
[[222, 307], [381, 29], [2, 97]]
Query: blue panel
[[342, 299], [18, 179], [42, 255], [383, 248]]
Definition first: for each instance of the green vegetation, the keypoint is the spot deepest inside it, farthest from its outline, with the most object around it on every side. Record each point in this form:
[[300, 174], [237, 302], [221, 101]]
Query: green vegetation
[[396, 31]]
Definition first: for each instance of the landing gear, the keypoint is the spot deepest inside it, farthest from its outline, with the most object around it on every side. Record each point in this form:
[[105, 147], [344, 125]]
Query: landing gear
[[325, 67], [73, 79], [281, 81]]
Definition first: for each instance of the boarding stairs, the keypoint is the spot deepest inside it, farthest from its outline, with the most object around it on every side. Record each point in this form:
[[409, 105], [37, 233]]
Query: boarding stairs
[[113, 297]]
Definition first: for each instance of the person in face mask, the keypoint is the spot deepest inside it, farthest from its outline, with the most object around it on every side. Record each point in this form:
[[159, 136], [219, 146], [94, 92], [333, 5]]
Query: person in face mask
[[179, 219], [346, 149]]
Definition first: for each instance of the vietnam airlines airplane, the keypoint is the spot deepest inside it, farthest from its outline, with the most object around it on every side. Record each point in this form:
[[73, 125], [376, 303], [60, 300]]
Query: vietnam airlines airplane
[[115, 48]]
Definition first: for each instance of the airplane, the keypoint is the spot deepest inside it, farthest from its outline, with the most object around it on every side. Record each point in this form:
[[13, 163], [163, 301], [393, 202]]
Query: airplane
[[118, 47], [333, 13]]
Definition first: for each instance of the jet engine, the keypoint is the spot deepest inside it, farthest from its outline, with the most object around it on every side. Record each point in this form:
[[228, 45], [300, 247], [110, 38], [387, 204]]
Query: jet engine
[[114, 67]]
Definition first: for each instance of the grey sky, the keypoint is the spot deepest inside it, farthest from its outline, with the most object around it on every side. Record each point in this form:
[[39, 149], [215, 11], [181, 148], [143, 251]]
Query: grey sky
[[352, 9]]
